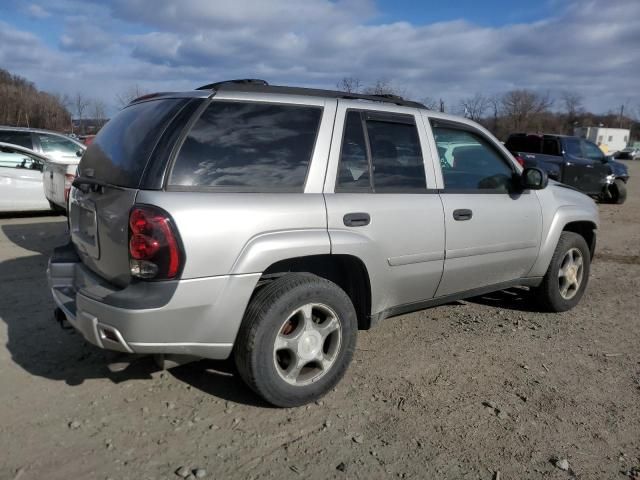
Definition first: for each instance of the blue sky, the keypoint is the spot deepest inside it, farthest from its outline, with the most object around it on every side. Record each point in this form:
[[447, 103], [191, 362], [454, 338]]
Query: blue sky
[[443, 49]]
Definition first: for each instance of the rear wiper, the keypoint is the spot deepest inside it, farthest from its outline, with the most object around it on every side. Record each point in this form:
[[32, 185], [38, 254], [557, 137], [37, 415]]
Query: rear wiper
[[84, 184]]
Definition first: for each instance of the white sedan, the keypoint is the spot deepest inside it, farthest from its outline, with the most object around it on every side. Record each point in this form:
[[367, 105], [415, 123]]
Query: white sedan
[[21, 187]]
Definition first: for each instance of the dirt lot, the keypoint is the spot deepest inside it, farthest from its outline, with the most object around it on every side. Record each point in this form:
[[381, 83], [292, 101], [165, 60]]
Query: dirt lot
[[459, 391]]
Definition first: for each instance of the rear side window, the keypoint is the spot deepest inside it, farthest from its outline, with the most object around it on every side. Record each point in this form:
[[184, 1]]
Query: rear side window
[[119, 153], [17, 138], [524, 143], [394, 155], [246, 146], [56, 144]]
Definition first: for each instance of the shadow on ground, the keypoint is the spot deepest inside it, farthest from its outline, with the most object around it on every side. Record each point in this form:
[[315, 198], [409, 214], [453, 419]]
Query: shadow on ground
[[39, 345], [518, 298]]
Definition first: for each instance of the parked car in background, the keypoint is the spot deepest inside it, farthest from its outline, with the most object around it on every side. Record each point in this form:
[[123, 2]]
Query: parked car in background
[[63, 151], [21, 179], [627, 154], [270, 223], [87, 139], [573, 161]]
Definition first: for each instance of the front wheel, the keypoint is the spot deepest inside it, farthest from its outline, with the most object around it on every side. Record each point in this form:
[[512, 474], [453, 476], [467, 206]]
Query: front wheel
[[567, 276], [296, 340], [618, 191]]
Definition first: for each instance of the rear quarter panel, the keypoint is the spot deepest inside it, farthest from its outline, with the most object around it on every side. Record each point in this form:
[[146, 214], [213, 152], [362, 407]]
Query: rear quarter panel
[[237, 233]]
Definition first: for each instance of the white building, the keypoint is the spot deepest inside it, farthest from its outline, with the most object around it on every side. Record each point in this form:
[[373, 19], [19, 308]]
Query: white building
[[608, 139]]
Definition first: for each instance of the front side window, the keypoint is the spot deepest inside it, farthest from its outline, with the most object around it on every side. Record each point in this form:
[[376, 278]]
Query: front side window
[[572, 147], [52, 144], [381, 153], [591, 151], [248, 146], [469, 162], [17, 138]]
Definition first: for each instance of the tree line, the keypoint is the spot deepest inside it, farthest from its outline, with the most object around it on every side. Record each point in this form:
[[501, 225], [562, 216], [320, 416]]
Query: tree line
[[519, 110], [22, 104]]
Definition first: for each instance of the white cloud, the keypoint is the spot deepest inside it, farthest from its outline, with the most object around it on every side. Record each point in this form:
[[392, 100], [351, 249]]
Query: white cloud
[[589, 46], [36, 11]]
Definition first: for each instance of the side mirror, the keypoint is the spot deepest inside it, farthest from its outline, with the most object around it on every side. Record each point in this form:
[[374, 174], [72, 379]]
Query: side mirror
[[79, 153], [534, 179]]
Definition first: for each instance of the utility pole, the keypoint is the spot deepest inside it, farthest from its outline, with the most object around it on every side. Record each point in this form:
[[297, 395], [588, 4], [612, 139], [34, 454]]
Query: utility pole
[[620, 117]]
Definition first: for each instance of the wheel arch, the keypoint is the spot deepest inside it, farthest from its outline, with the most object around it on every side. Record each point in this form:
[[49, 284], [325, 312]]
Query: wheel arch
[[347, 271], [567, 218]]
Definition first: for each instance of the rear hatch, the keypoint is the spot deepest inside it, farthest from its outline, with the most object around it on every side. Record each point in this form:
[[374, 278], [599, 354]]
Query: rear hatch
[[109, 175]]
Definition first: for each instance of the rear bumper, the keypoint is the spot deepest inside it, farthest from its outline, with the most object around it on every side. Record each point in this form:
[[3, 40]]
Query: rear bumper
[[197, 317]]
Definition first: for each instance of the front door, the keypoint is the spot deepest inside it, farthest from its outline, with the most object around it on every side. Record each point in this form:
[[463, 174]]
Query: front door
[[382, 204], [492, 228]]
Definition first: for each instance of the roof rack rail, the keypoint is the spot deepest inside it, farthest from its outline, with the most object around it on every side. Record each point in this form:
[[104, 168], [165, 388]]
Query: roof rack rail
[[238, 81], [261, 86]]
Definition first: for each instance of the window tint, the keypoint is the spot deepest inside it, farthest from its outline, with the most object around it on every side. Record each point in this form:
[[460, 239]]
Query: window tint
[[250, 146], [550, 146], [55, 144], [17, 138], [469, 162], [524, 143], [353, 171], [591, 151], [572, 147], [119, 153], [396, 157]]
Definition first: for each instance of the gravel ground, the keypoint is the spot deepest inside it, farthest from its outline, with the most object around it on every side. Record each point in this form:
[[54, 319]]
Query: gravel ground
[[479, 389]]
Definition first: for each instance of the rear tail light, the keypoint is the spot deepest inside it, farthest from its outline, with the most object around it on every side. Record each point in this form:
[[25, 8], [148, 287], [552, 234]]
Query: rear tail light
[[154, 245], [520, 160], [68, 180]]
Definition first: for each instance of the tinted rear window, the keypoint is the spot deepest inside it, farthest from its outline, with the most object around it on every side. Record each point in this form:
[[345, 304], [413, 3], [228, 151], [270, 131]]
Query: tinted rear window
[[528, 144], [17, 138], [248, 147], [120, 151]]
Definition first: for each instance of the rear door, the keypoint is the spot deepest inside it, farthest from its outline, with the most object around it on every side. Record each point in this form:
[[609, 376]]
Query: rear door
[[492, 228], [99, 215], [382, 204]]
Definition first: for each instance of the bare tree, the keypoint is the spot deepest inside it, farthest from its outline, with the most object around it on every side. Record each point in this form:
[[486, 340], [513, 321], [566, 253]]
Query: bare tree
[[80, 104], [21, 103], [99, 112], [475, 107], [349, 85], [125, 97], [430, 102], [384, 87], [522, 106]]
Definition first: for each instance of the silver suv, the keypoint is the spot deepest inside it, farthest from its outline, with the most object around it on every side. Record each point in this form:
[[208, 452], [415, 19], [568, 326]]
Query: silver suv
[[271, 223]]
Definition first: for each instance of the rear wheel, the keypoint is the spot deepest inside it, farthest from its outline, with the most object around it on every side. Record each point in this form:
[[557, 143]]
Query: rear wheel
[[618, 191], [567, 276], [296, 340]]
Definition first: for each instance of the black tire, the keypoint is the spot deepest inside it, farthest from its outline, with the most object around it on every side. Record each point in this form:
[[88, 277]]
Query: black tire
[[618, 191], [548, 293], [57, 209], [263, 321]]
